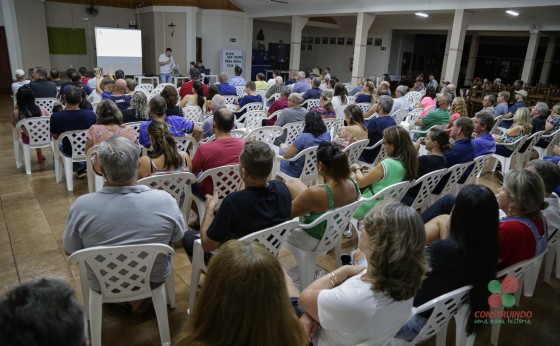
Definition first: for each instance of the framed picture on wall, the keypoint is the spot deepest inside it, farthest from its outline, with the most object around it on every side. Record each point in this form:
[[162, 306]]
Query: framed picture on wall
[[325, 40], [340, 41], [302, 47], [317, 40], [310, 40], [309, 47], [303, 40], [332, 40], [378, 42], [369, 41], [349, 41]]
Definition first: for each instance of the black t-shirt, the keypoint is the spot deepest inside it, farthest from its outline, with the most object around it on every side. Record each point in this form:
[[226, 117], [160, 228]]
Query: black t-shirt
[[251, 210], [70, 120], [130, 115], [426, 164], [175, 110], [538, 124]]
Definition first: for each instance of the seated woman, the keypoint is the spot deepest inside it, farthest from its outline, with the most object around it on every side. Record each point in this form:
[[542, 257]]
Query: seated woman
[[138, 110], [550, 174], [169, 93], [522, 125], [401, 164], [310, 203], [354, 304], [523, 232], [466, 254], [325, 108], [354, 131], [196, 99], [340, 99], [243, 275], [164, 157], [212, 91], [552, 125], [314, 133], [26, 108], [458, 109], [365, 95], [108, 124], [436, 143]]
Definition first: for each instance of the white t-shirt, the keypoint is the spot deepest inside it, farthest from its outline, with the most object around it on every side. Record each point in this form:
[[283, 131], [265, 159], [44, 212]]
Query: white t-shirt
[[17, 85], [271, 82], [552, 213], [352, 313], [167, 68]]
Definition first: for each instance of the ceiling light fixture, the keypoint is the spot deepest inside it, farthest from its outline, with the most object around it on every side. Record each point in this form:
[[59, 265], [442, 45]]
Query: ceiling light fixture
[[512, 13], [421, 14]]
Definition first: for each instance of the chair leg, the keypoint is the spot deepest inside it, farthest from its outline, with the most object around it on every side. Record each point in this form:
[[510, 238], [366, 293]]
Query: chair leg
[[197, 268], [17, 152], [338, 252], [27, 158], [95, 310], [441, 335], [158, 298], [69, 174], [461, 318], [530, 278], [170, 289], [549, 261], [496, 327]]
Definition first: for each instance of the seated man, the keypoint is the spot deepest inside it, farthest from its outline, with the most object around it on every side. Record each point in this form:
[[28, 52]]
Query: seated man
[[178, 126], [218, 102], [376, 126], [119, 95], [438, 117], [463, 150], [277, 105], [315, 92], [123, 212], [260, 205], [238, 80], [76, 80], [224, 88], [42, 87], [483, 141], [251, 97], [401, 102], [294, 112], [187, 89], [44, 312]]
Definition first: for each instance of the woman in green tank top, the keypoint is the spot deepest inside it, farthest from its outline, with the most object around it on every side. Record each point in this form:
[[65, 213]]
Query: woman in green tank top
[[401, 164], [310, 203]]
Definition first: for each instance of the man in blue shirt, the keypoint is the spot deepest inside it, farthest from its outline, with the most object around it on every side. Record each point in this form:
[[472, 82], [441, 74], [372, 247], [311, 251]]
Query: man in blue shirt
[[502, 106], [238, 80], [315, 91], [301, 85], [376, 126], [251, 97], [484, 142], [520, 97], [463, 150], [224, 88]]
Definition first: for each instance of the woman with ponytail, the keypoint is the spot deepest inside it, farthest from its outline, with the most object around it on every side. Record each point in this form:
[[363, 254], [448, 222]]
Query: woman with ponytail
[[164, 157], [310, 203], [109, 123], [325, 108], [196, 99]]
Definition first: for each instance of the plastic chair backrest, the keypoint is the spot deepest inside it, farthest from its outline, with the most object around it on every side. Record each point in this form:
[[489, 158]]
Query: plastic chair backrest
[[414, 115], [122, 271], [382, 154], [148, 87], [173, 183], [273, 97], [193, 113], [351, 99], [38, 130], [354, 150], [414, 97], [47, 102], [497, 121], [230, 99], [309, 171], [332, 125], [364, 106], [311, 103], [92, 177], [455, 173], [293, 130], [183, 143], [225, 179], [479, 163], [428, 183], [251, 119], [158, 89], [237, 133], [262, 92], [399, 116], [136, 127], [531, 141], [240, 90], [266, 134], [78, 142], [393, 192], [273, 237]]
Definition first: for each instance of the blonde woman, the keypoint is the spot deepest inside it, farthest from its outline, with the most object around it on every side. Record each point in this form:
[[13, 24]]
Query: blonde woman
[[325, 108], [355, 130], [355, 304], [522, 125], [243, 276], [458, 109]]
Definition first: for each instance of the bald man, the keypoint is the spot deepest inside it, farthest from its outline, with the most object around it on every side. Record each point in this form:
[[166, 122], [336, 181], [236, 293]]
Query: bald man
[[119, 95]]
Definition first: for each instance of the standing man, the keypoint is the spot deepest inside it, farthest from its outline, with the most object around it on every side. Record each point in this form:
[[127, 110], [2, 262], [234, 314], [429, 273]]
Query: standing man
[[433, 82], [166, 65]]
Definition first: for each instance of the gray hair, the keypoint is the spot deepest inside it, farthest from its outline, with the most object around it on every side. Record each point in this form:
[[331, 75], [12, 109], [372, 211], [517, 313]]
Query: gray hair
[[139, 101], [556, 108], [451, 87], [316, 82], [285, 91], [218, 102], [119, 159], [402, 89], [301, 74], [296, 98], [491, 98], [542, 108], [446, 97], [386, 103], [158, 105], [279, 79], [486, 118]]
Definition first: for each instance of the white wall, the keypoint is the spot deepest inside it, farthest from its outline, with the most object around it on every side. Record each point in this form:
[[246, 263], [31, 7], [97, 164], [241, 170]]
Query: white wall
[[403, 42], [33, 39], [65, 15], [274, 32], [1, 16]]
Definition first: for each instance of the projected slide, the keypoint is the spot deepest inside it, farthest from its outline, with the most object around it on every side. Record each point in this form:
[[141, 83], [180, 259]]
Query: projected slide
[[119, 49]]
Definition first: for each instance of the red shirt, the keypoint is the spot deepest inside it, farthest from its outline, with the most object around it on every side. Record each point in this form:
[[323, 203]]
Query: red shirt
[[221, 152], [516, 242], [186, 89], [277, 105]]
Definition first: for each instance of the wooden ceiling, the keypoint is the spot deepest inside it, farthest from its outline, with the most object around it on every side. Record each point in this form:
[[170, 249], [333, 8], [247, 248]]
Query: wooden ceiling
[[204, 4]]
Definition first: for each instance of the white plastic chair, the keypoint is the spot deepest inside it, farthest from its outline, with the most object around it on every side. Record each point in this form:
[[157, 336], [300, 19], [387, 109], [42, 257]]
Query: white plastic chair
[[351, 99], [225, 179], [364, 106], [530, 144], [178, 185], [272, 238], [554, 139], [249, 107], [240, 90], [237, 133], [428, 183], [444, 308], [145, 87], [266, 134], [230, 99], [47, 102], [413, 115], [332, 125], [413, 97], [380, 155], [293, 130], [497, 121], [311, 103], [354, 150], [183, 144], [78, 143], [272, 98], [95, 181], [123, 273], [136, 127], [159, 88], [454, 174], [253, 114], [526, 273], [515, 160], [553, 251], [308, 174], [423, 132], [39, 133], [479, 164], [193, 113], [399, 116], [337, 221]]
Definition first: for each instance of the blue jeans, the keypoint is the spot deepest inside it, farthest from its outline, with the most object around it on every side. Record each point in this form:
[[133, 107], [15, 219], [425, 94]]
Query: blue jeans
[[165, 77], [412, 328]]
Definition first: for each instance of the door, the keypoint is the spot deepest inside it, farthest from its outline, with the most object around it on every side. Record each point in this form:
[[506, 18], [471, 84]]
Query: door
[[5, 69]]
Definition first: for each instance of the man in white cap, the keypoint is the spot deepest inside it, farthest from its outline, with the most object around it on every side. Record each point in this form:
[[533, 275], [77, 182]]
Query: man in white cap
[[21, 80], [520, 97]]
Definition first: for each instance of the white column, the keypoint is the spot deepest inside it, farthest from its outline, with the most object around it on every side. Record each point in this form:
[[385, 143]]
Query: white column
[[460, 25], [190, 43], [360, 45], [298, 23], [472, 59], [445, 56], [548, 59], [530, 57], [12, 36], [248, 48]]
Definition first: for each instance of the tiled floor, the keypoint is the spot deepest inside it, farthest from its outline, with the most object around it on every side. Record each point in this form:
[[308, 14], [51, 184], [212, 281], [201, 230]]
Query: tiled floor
[[33, 210]]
